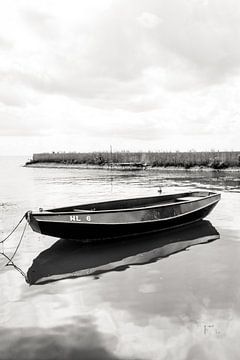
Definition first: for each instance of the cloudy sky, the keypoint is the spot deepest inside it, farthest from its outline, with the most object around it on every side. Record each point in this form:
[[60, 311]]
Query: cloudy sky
[[79, 75]]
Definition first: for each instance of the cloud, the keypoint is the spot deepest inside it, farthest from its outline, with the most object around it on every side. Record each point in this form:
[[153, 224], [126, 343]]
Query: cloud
[[149, 20], [161, 68], [192, 44], [41, 23], [4, 43]]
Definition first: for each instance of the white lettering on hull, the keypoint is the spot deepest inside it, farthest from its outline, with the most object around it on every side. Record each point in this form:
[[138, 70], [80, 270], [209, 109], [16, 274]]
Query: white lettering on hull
[[76, 218]]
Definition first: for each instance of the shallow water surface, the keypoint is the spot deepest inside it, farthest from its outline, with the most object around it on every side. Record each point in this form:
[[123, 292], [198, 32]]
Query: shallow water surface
[[172, 295]]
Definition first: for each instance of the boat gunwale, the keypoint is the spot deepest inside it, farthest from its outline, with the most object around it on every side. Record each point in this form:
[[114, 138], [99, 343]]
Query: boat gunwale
[[127, 223], [82, 212]]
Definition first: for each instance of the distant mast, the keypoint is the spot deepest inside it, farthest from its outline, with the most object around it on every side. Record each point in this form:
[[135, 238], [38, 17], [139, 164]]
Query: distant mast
[[111, 156]]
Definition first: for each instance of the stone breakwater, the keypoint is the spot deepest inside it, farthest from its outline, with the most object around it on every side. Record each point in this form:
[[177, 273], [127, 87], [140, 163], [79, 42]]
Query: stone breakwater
[[109, 168], [140, 160]]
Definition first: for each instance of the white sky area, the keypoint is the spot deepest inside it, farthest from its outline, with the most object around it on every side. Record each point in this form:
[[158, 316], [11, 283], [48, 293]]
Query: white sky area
[[79, 75]]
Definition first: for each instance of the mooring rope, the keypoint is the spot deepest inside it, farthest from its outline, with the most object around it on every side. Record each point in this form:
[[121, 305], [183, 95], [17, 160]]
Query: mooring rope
[[15, 267], [10, 259], [14, 229]]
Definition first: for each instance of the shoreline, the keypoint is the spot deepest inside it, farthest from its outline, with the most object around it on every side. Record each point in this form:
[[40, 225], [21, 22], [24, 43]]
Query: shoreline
[[52, 165]]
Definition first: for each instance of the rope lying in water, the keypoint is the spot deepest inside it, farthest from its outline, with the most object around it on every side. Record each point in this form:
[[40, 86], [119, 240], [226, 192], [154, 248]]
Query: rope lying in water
[[10, 259], [14, 229], [15, 267]]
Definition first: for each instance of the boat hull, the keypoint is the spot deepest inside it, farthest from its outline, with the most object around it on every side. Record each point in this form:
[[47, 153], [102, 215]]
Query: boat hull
[[93, 230]]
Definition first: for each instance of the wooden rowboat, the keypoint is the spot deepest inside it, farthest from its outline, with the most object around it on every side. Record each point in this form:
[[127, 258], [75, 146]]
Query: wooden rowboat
[[121, 218]]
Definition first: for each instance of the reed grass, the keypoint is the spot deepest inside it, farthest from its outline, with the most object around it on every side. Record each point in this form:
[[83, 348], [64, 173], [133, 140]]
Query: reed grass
[[187, 160]]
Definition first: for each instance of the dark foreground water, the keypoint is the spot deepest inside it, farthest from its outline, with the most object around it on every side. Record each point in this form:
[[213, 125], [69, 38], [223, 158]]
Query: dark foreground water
[[174, 295]]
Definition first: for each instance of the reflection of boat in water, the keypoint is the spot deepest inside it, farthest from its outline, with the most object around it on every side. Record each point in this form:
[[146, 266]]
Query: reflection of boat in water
[[69, 259]]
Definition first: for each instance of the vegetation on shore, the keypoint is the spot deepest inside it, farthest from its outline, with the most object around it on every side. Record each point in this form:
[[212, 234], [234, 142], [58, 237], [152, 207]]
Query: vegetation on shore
[[212, 159]]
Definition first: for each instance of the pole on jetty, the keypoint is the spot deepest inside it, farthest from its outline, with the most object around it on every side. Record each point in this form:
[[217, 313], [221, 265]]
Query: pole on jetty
[[111, 155], [111, 168]]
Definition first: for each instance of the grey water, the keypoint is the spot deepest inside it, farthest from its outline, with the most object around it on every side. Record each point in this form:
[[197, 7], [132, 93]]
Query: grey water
[[172, 295]]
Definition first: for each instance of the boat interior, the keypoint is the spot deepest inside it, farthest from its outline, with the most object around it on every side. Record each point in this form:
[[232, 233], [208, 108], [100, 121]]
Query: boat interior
[[137, 202]]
